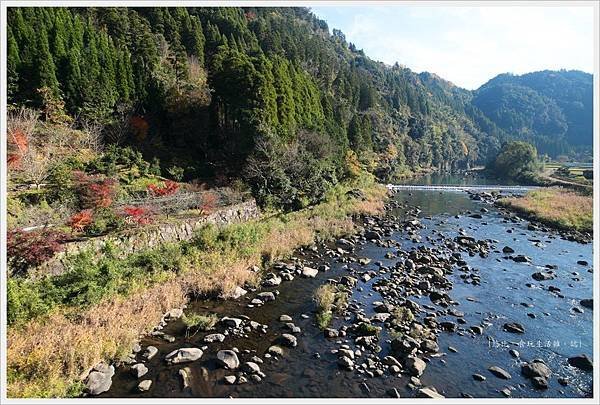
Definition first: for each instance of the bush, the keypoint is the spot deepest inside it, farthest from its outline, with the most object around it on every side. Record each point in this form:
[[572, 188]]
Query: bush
[[79, 221], [291, 176], [138, 215], [94, 192], [29, 249], [104, 220], [176, 172], [26, 299], [516, 160], [168, 188], [200, 322]]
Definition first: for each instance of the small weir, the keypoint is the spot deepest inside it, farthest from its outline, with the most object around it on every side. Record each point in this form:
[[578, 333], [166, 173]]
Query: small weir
[[471, 187]]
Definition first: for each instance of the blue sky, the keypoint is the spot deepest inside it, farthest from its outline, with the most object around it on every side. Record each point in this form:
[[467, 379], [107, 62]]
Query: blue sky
[[469, 45]]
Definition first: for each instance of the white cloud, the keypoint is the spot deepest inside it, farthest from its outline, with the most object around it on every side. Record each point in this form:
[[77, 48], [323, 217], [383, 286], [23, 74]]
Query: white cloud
[[470, 45]]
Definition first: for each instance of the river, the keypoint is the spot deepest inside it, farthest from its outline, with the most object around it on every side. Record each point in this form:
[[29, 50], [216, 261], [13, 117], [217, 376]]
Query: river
[[553, 329]]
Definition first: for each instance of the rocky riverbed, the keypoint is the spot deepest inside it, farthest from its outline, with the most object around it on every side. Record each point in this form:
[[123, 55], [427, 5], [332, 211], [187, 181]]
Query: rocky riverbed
[[448, 296]]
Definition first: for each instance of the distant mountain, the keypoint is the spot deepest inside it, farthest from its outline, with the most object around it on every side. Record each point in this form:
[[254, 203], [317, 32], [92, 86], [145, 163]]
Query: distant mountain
[[551, 109]]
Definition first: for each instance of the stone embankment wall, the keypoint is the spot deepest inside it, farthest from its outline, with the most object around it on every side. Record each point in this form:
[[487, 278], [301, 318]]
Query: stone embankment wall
[[132, 241]]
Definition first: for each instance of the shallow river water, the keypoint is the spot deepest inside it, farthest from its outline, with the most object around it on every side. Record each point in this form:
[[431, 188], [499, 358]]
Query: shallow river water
[[507, 293]]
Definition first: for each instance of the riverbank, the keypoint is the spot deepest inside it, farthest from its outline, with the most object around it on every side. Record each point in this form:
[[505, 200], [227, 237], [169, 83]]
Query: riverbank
[[63, 326], [429, 309], [555, 207]]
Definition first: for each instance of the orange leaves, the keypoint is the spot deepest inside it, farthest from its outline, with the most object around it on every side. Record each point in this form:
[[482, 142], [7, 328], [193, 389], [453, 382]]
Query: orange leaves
[[139, 127], [169, 188], [94, 192], [79, 221], [138, 215], [18, 145], [209, 202]]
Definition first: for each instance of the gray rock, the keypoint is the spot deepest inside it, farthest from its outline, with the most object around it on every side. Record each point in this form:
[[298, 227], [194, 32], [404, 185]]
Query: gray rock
[[238, 292], [100, 379], [272, 280], [500, 373], [175, 313], [231, 322], [138, 370], [288, 340], [229, 379], [228, 359], [514, 327], [251, 367], [588, 303], [540, 383], [285, 318], [541, 276], [429, 392], [536, 369], [582, 362], [184, 355], [275, 350], [331, 333], [185, 374], [372, 235], [266, 296], [144, 386], [214, 337], [415, 366], [478, 377], [150, 352], [345, 362], [309, 272]]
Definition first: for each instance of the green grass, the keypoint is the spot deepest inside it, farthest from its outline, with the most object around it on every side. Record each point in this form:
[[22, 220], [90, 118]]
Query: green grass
[[199, 322], [328, 299]]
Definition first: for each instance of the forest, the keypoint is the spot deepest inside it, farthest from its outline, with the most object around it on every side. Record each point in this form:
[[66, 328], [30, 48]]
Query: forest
[[221, 93]]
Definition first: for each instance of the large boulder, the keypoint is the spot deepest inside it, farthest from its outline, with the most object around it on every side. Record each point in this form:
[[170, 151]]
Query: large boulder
[[415, 366], [228, 359], [309, 272], [100, 379], [582, 362], [184, 355]]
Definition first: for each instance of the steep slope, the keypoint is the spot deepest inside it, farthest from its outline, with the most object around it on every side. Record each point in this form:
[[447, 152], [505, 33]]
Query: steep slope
[[551, 109], [201, 87]]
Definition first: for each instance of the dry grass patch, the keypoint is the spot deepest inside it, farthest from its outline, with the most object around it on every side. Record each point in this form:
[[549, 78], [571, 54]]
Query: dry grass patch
[[555, 207], [50, 354]]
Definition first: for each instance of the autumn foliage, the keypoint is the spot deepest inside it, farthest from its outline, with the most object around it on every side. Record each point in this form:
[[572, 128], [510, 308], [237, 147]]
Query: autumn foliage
[[208, 202], [138, 215], [17, 148], [95, 192], [30, 249], [168, 188], [139, 127], [79, 221]]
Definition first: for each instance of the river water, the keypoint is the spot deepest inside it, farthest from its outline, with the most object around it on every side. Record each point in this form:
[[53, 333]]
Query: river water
[[507, 293]]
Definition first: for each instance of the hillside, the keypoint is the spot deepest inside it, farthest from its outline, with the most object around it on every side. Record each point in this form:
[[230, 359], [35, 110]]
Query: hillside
[[551, 109], [230, 92]]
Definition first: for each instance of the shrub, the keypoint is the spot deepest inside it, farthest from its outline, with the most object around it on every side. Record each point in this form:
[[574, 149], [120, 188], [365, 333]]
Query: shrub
[[199, 322], [26, 299], [29, 249], [138, 215], [176, 172], [105, 220], [94, 192], [208, 202], [79, 221], [169, 188]]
